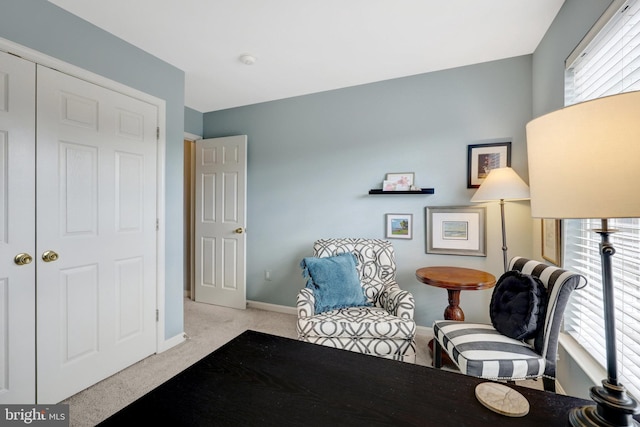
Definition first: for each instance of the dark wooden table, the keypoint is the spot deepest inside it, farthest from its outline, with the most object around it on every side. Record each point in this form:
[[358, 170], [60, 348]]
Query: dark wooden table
[[260, 379], [454, 280]]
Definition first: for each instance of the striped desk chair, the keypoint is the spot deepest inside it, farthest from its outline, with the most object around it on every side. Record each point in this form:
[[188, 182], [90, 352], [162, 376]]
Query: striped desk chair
[[480, 350]]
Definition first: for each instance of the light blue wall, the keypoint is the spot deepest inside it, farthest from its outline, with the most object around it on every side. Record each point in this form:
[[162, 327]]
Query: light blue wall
[[571, 24], [41, 26], [312, 160], [193, 121]]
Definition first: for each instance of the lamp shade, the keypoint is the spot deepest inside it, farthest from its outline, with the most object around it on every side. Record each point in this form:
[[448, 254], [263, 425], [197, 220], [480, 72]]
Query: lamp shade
[[584, 160], [501, 184]]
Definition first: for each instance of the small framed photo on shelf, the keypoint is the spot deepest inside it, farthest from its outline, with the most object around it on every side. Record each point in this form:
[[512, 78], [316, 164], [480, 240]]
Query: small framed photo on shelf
[[399, 226], [481, 158], [398, 181], [456, 230], [552, 241]]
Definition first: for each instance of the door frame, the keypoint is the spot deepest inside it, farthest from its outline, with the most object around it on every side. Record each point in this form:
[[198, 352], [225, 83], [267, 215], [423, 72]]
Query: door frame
[[190, 175], [29, 54]]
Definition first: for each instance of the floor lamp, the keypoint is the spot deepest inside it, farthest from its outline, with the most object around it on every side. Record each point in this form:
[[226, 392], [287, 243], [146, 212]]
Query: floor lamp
[[502, 184], [584, 162]]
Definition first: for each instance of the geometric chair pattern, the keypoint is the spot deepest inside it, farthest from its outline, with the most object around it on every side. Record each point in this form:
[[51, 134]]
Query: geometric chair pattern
[[480, 350], [384, 329]]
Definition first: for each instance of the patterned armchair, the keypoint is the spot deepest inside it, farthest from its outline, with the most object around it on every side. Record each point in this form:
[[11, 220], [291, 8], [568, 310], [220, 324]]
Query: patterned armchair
[[480, 350], [386, 328]]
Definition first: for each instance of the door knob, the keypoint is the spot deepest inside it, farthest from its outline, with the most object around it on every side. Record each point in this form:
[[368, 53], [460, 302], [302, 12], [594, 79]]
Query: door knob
[[23, 259], [239, 230], [49, 256]]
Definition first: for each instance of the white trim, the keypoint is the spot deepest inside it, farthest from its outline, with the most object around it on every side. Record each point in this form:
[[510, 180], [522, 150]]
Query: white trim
[[161, 343], [583, 359], [72, 70], [272, 307], [424, 330], [559, 389], [75, 71], [192, 136], [604, 19], [191, 292]]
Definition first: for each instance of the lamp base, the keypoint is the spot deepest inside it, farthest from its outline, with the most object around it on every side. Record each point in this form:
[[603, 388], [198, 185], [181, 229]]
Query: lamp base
[[614, 408]]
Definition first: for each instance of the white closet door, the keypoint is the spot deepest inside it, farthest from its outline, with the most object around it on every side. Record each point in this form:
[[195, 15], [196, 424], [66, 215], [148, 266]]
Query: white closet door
[[96, 198], [17, 232]]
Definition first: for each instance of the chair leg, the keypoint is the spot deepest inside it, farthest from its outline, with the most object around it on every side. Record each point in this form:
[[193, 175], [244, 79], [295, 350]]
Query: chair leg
[[549, 384], [437, 354]]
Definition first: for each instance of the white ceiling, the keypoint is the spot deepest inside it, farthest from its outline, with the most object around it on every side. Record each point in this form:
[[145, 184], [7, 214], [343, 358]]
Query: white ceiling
[[307, 46]]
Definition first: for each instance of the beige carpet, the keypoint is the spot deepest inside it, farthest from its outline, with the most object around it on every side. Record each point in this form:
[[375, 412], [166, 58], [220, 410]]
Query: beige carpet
[[207, 327]]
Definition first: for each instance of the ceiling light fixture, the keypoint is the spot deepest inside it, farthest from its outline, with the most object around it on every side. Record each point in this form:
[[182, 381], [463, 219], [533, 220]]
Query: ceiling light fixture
[[247, 59]]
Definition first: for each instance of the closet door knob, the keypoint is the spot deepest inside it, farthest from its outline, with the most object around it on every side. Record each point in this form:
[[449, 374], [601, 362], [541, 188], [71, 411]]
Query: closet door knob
[[23, 259], [239, 230], [49, 256]]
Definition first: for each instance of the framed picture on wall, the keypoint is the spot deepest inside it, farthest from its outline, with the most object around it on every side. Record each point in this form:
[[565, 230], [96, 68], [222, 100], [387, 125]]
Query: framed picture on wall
[[402, 181], [399, 226], [456, 230], [481, 158], [552, 241]]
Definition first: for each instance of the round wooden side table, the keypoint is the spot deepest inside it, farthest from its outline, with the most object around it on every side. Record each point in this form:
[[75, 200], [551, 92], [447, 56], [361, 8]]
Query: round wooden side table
[[454, 280]]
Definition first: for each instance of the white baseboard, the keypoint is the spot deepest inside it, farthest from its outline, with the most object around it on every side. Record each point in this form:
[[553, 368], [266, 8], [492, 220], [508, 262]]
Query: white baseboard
[[424, 330], [272, 307], [559, 389]]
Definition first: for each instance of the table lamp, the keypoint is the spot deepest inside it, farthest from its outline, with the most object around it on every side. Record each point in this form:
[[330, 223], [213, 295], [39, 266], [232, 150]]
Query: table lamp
[[502, 184], [584, 162]]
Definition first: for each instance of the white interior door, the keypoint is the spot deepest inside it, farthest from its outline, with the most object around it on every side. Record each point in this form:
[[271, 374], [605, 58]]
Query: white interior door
[[17, 232], [96, 209], [220, 218]]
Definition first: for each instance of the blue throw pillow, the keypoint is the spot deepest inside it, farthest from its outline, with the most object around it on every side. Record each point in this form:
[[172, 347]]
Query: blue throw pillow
[[518, 305], [334, 281]]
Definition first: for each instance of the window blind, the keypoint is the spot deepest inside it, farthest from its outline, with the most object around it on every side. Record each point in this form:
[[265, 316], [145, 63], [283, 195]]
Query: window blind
[[609, 64]]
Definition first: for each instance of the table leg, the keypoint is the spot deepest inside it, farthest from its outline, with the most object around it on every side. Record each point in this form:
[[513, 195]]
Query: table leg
[[453, 311]]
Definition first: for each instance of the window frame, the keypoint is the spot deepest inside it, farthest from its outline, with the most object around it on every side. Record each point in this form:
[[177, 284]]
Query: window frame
[[591, 72]]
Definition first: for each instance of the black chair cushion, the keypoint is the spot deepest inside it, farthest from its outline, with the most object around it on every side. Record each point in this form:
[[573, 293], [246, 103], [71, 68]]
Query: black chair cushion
[[518, 305]]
